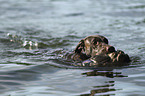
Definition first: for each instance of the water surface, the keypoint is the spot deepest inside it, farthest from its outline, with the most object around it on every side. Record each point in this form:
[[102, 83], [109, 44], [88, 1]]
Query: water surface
[[29, 65]]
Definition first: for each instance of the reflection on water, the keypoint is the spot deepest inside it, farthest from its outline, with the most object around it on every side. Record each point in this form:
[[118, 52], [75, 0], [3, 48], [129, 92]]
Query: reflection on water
[[109, 74], [109, 87], [102, 90]]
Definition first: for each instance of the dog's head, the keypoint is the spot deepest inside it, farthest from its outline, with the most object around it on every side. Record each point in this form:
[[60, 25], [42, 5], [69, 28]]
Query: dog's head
[[100, 51], [94, 45]]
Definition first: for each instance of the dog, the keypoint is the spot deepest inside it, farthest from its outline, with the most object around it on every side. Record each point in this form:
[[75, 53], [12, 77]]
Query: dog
[[95, 51]]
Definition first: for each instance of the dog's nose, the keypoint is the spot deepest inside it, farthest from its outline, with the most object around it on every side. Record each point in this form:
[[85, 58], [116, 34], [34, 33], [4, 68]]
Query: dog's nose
[[111, 49]]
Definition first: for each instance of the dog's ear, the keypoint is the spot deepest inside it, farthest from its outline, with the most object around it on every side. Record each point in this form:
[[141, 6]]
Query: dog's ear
[[80, 47]]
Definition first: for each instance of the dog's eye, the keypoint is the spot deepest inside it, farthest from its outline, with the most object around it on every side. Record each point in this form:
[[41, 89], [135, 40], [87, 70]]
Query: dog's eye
[[96, 41]]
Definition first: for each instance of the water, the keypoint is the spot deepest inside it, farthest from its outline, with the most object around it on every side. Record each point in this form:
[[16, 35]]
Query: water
[[60, 24]]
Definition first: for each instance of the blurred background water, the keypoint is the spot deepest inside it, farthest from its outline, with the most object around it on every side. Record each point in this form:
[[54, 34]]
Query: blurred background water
[[50, 25]]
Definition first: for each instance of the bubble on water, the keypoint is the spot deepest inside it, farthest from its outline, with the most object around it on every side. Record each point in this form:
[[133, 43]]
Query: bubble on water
[[36, 44], [30, 43], [22, 41], [25, 43], [8, 34]]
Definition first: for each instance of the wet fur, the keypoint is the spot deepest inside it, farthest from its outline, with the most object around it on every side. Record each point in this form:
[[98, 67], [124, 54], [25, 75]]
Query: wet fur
[[94, 51]]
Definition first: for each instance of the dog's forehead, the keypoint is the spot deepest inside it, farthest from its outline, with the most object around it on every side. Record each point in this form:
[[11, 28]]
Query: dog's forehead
[[91, 37], [97, 38]]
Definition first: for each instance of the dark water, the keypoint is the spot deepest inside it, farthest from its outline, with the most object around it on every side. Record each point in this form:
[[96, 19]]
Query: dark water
[[28, 64]]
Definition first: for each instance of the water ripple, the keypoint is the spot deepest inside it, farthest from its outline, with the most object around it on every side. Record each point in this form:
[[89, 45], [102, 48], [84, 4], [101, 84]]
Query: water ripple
[[30, 55]]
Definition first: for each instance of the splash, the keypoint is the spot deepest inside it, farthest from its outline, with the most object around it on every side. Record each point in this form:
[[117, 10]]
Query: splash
[[22, 41]]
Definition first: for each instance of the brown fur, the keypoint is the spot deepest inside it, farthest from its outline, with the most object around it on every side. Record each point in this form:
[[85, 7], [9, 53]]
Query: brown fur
[[97, 50]]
